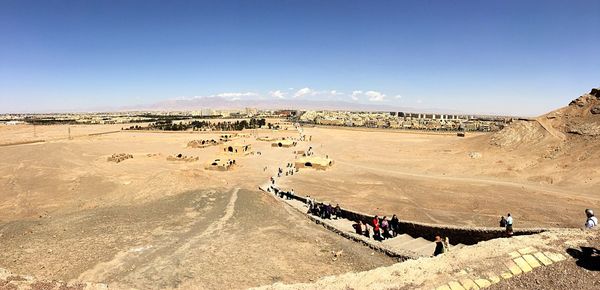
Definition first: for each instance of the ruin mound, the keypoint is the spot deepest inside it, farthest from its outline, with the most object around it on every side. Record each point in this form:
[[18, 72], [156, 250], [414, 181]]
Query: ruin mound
[[118, 157], [520, 133], [203, 143], [181, 157]]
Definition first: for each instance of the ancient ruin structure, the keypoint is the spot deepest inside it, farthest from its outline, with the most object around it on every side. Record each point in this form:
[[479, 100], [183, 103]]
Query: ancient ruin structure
[[203, 143], [118, 157], [266, 138], [237, 149], [284, 143], [181, 157], [228, 137], [316, 162], [220, 164]]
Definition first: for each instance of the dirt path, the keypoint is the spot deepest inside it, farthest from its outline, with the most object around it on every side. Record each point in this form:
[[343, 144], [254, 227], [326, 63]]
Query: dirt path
[[161, 254]]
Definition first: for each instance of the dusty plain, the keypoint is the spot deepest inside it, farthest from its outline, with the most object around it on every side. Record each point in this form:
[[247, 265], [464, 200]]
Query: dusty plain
[[444, 179], [67, 213]]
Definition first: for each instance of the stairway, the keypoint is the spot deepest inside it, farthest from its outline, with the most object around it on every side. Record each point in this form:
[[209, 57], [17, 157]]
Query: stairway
[[400, 243]]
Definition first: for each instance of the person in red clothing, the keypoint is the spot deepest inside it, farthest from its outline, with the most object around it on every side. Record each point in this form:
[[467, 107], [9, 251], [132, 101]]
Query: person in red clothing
[[376, 232]]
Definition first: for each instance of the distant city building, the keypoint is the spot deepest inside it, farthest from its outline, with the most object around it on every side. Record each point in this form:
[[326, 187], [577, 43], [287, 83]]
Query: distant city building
[[406, 120]]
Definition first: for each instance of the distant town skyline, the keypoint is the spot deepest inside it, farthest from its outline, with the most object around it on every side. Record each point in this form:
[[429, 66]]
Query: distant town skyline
[[483, 57]]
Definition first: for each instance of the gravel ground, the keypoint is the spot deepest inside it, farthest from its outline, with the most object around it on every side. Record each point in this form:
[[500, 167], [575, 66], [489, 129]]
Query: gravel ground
[[582, 271], [217, 239]]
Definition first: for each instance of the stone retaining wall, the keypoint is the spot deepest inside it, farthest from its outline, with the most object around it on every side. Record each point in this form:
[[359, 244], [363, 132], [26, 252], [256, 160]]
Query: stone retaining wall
[[456, 234]]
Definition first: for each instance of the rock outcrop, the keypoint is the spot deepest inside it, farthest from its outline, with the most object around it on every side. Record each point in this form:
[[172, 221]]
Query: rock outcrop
[[581, 118]]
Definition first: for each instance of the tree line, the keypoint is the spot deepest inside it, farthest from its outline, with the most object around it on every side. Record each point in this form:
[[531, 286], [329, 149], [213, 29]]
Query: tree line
[[168, 125]]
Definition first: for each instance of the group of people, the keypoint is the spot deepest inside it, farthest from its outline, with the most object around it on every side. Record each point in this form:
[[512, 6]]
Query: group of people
[[289, 170], [507, 223], [322, 210], [281, 193], [381, 228]]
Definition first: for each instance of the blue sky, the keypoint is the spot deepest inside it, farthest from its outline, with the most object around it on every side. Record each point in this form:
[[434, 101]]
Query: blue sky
[[511, 57]]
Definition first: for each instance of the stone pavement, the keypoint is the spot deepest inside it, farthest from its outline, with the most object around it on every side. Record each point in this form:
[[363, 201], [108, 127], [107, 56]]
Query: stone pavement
[[517, 263]]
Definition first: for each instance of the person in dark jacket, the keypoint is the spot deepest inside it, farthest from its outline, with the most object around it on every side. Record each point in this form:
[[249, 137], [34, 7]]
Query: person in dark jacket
[[395, 225], [337, 211], [502, 222], [439, 246]]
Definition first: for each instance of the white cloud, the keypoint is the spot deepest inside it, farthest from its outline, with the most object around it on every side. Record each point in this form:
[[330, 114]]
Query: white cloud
[[303, 92], [375, 96], [277, 94], [230, 96], [355, 95], [236, 95]]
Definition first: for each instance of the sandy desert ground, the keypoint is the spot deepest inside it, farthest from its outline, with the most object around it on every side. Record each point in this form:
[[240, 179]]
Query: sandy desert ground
[[67, 213], [449, 180]]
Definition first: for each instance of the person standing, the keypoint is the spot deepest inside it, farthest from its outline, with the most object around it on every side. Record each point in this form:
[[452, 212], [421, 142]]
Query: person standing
[[509, 225], [385, 227], [395, 225], [439, 246], [502, 222], [366, 230], [376, 231], [338, 211], [591, 221]]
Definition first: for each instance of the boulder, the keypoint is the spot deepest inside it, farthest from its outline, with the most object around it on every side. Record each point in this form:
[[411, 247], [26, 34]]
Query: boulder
[[595, 109], [596, 93]]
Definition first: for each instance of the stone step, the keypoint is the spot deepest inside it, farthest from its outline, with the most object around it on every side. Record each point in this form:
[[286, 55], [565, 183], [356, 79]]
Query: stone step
[[398, 240], [414, 244], [426, 250]]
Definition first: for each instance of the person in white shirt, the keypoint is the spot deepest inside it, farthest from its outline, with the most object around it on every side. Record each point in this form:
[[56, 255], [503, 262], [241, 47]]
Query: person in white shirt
[[591, 221], [509, 225]]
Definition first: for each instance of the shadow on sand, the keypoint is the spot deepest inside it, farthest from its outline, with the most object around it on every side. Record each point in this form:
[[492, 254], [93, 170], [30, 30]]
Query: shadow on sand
[[587, 257]]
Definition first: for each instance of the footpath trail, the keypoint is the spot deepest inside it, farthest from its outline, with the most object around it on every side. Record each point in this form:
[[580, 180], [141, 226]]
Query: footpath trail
[[400, 246], [163, 255]]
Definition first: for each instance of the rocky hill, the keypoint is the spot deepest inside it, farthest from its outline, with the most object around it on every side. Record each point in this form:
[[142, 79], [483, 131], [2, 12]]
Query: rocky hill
[[561, 147], [581, 118]]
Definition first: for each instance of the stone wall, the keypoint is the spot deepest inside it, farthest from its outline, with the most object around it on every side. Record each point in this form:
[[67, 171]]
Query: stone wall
[[456, 234]]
